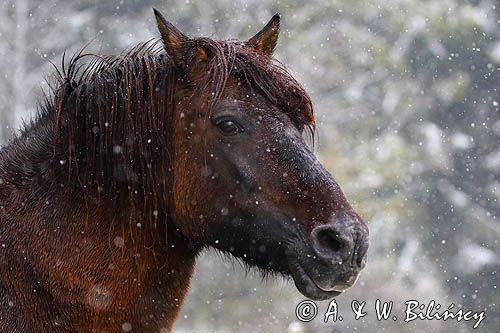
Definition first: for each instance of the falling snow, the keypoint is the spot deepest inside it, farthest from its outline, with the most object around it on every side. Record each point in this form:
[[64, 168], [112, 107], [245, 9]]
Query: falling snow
[[406, 96]]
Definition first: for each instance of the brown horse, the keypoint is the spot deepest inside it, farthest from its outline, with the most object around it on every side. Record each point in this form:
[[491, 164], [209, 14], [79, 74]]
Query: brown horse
[[137, 162]]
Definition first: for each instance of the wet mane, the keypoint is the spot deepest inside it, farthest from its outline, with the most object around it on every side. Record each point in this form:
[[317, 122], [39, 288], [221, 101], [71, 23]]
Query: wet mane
[[112, 114]]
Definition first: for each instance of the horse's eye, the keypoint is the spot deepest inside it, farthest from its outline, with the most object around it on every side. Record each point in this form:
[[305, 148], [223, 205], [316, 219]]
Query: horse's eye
[[228, 126]]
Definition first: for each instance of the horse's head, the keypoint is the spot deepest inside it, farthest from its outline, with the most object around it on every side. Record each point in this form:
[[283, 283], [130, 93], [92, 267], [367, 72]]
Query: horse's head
[[245, 182]]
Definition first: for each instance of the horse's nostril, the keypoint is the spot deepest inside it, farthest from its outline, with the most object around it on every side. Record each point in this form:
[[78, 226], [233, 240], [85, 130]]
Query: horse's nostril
[[331, 242]]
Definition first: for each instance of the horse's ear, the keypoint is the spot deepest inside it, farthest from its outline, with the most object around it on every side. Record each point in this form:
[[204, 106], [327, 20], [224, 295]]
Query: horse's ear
[[265, 40], [173, 39]]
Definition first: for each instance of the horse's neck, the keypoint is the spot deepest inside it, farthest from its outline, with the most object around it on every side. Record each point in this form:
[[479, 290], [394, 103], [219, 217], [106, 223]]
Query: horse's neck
[[93, 263]]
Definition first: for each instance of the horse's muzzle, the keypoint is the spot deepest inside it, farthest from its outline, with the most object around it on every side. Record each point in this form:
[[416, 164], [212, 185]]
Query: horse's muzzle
[[332, 260]]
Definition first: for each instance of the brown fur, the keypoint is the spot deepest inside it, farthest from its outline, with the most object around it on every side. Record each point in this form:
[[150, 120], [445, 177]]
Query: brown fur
[[63, 185], [101, 195]]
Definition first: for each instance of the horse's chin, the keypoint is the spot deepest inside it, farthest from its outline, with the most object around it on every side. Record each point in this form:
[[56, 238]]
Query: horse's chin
[[307, 287]]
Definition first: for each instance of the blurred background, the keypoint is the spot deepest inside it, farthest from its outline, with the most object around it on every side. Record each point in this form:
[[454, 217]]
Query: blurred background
[[406, 96]]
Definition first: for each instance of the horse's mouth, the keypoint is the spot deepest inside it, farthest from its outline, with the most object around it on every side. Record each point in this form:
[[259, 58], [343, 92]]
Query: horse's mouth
[[280, 251], [307, 287]]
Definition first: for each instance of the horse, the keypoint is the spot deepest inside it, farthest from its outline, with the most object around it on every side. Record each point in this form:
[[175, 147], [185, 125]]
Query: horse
[[135, 163]]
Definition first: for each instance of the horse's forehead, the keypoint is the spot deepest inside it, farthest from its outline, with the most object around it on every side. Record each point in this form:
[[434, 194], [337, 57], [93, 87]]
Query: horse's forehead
[[238, 89], [252, 106], [241, 96]]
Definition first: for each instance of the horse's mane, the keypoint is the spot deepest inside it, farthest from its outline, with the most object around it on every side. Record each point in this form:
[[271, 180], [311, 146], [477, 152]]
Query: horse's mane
[[112, 115]]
